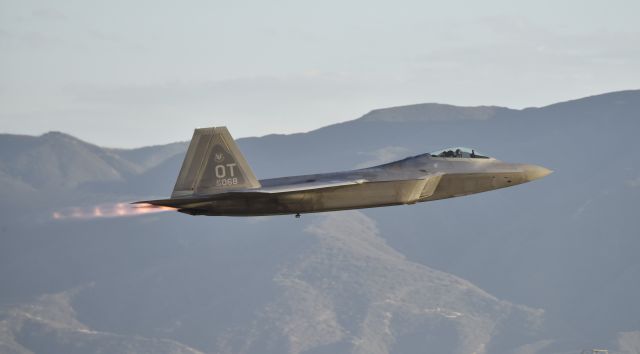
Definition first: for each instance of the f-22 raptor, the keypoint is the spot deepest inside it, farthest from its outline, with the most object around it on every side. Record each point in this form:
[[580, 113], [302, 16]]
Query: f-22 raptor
[[215, 179]]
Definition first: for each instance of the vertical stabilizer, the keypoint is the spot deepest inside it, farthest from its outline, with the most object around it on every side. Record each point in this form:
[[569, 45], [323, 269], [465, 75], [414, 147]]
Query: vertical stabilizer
[[213, 164]]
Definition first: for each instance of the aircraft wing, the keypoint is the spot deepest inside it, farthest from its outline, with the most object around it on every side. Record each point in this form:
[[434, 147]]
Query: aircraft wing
[[242, 193], [423, 187], [297, 187]]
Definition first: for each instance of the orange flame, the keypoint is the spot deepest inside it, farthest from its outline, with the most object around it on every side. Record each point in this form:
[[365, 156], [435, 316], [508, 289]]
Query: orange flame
[[108, 211]]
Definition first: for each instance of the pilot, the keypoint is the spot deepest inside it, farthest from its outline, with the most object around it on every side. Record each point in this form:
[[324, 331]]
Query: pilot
[[473, 154]]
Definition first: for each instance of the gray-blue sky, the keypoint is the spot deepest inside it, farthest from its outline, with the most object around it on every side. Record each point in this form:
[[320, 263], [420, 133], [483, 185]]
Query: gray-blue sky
[[122, 73]]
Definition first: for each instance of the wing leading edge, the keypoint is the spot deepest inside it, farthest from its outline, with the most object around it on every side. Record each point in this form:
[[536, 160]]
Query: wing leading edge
[[244, 193]]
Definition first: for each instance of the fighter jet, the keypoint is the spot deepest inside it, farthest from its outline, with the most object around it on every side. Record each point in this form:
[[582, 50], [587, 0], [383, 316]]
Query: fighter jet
[[216, 180]]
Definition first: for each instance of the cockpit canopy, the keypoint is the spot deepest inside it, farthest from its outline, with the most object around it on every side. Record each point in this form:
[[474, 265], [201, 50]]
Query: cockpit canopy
[[459, 151]]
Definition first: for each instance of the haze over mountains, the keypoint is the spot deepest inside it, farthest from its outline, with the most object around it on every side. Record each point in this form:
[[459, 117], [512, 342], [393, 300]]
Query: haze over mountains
[[547, 267]]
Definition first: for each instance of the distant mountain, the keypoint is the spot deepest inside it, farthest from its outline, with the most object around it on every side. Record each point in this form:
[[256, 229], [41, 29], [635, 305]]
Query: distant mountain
[[547, 267], [56, 168], [56, 161], [434, 112], [49, 326], [350, 292]]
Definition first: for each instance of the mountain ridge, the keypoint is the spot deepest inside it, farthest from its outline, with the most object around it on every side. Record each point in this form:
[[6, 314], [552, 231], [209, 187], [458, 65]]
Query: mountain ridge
[[630, 93]]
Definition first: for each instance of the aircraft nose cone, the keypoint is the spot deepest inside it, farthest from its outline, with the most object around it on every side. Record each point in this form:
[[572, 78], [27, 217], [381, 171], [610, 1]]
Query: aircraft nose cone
[[533, 172]]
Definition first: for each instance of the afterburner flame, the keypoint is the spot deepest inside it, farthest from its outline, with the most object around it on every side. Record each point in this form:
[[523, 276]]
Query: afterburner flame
[[107, 211]]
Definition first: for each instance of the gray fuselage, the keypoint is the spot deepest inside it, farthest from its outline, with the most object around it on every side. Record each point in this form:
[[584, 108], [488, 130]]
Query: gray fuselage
[[415, 179]]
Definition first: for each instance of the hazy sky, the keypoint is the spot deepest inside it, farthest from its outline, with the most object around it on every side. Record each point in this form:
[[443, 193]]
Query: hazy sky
[[133, 73]]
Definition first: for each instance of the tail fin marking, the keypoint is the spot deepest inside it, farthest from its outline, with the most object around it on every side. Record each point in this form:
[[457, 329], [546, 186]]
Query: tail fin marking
[[213, 164]]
